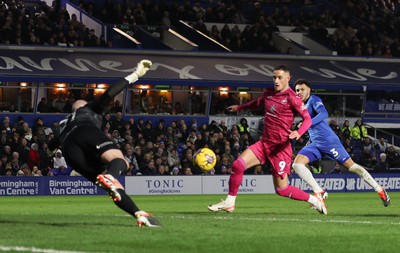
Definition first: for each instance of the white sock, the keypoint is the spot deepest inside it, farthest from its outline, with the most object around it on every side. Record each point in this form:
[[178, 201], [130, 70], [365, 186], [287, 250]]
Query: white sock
[[307, 176], [313, 200], [363, 173], [230, 199]]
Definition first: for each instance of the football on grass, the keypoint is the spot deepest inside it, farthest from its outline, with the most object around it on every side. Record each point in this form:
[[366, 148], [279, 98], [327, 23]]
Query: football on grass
[[205, 159]]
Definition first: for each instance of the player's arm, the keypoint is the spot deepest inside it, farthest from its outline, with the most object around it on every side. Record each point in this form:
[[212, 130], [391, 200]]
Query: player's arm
[[253, 104], [142, 67], [319, 107], [300, 108]]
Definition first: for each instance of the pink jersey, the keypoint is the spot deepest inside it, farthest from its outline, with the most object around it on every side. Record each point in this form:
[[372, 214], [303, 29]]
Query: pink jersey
[[280, 110]]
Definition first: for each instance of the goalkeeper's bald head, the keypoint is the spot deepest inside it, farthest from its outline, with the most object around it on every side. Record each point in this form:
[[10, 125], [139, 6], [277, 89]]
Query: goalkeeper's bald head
[[78, 104]]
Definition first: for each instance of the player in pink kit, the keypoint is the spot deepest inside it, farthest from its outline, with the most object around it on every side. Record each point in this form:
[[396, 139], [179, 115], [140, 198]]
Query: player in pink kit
[[281, 105]]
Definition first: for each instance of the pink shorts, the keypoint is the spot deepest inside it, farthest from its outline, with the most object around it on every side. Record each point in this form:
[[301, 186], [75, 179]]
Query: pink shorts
[[280, 156]]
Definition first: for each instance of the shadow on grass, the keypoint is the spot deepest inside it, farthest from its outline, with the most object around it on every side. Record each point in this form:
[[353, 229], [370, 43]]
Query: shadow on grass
[[61, 224]]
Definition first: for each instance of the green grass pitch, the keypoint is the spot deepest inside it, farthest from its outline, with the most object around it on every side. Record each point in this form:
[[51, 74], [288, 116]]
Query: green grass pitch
[[356, 222]]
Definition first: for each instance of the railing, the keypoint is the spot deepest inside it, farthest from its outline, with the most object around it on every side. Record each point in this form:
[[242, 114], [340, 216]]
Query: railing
[[390, 138]]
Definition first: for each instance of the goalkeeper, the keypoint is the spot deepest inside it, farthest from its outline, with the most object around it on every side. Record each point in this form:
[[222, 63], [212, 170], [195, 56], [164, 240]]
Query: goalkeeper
[[89, 151]]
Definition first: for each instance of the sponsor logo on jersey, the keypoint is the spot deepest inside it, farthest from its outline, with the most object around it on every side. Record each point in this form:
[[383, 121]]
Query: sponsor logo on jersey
[[272, 108]]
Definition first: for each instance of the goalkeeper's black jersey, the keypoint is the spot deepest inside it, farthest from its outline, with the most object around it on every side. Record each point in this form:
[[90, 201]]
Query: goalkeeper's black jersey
[[89, 115], [84, 116]]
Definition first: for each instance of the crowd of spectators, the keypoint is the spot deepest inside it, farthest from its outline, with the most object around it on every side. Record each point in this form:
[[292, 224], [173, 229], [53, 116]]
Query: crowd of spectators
[[361, 27], [161, 149], [40, 24]]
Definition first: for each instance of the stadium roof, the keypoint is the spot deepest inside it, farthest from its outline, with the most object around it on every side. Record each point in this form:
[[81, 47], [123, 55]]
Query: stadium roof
[[60, 64]]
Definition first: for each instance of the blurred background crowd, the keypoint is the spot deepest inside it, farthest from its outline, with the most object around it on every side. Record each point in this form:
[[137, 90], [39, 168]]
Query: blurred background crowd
[[351, 27], [157, 148]]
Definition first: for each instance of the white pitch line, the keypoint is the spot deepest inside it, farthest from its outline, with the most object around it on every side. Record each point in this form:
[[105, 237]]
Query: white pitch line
[[37, 250], [254, 219]]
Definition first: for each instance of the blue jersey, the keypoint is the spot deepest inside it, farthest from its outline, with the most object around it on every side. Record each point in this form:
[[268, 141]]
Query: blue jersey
[[323, 140]]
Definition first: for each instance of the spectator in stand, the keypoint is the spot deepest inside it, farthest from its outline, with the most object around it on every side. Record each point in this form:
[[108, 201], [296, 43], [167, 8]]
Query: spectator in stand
[[16, 157], [45, 160], [148, 131], [43, 105], [315, 167], [24, 130], [149, 168], [131, 158], [25, 168], [106, 121], [336, 169], [334, 126], [117, 139], [6, 126], [382, 166], [236, 150], [222, 127], [227, 154], [8, 153], [18, 125], [381, 145], [359, 132], [117, 122], [36, 172], [368, 159], [212, 144], [393, 157], [174, 159], [346, 126], [187, 171], [347, 144], [38, 130], [175, 171], [15, 166], [200, 142], [161, 170], [60, 166], [346, 130], [20, 173], [243, 126], [258, 170], [33, 155], [368, 145]]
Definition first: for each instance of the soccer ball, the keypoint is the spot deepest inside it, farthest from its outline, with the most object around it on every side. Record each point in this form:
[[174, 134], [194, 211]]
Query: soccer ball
[[205, 159]]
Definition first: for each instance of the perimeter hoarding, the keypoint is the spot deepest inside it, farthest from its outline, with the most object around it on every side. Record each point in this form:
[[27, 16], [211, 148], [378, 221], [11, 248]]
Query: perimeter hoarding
[[175, 185]]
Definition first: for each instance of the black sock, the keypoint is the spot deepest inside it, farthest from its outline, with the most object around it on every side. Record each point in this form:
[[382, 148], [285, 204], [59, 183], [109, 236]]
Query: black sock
[[126, 203], [116, 167]]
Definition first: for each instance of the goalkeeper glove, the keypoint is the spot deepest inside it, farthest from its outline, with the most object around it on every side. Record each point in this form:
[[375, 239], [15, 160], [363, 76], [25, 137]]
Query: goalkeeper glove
[[142, 67]]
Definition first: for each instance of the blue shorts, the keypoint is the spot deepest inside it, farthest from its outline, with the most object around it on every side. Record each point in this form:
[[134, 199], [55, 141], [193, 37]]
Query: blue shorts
[[334, 151]]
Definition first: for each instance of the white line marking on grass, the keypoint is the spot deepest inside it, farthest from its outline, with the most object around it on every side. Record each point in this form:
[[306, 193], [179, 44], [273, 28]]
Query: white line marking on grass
[[290, 219], [254, 219], [37, 250]]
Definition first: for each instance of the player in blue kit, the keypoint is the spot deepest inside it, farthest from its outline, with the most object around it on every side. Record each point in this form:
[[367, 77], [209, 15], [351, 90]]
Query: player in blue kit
[[323, 141]]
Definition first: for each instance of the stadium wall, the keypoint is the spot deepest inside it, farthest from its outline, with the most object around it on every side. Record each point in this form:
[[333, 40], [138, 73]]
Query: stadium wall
[[176, 185]]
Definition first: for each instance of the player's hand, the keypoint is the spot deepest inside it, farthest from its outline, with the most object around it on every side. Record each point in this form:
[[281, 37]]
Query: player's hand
[[142, 67], [294, 135], [232, 108]]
